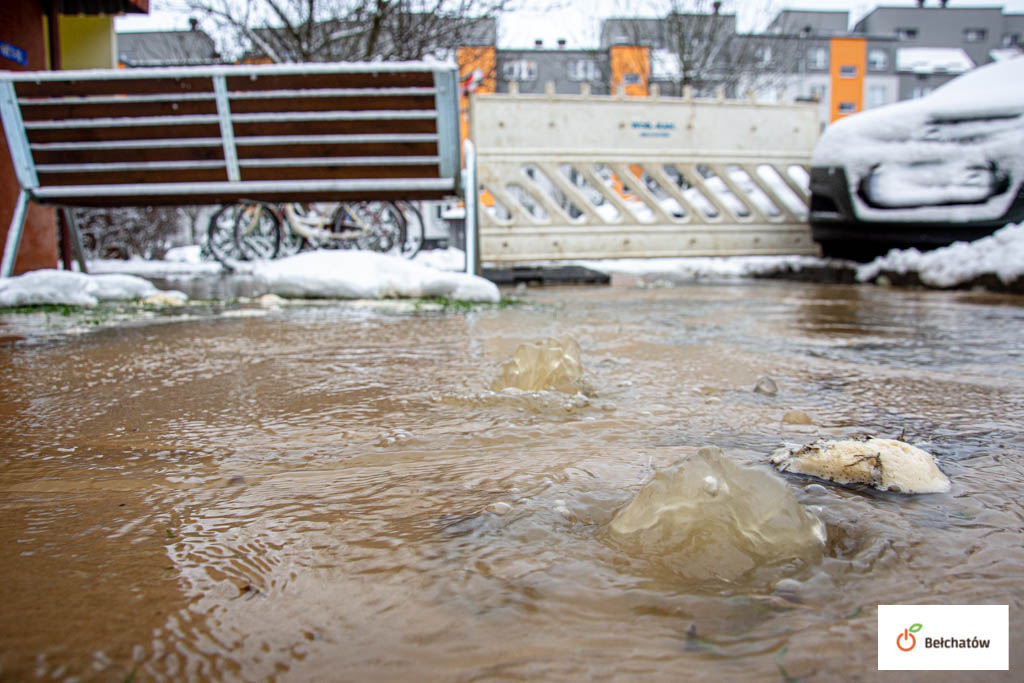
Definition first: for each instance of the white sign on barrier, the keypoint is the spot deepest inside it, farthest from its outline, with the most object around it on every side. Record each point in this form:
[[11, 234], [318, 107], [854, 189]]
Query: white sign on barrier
[[591, 177]]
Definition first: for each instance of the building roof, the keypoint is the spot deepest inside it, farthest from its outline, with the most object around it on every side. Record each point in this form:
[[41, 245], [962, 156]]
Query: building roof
[[162, 48]]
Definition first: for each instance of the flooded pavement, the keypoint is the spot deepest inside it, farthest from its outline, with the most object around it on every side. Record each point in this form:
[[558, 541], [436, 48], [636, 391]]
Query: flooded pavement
[[336, 493]]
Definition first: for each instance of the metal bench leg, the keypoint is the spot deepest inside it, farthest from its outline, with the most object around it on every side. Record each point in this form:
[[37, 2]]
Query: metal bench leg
[[469, 191], [14, 235], [76, 238]]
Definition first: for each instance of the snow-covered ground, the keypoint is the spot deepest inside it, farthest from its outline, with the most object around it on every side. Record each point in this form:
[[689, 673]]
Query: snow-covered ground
[[1000, 254], [365, 275], [320, 274]]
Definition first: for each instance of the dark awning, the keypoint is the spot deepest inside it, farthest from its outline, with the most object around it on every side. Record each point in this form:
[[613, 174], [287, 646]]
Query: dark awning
[[98, 6]]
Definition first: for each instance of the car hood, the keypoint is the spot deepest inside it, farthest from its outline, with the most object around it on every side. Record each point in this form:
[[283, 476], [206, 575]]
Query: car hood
[[985, 101]]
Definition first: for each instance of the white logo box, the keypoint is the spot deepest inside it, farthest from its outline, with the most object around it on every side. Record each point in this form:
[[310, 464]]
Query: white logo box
[[943, 637]]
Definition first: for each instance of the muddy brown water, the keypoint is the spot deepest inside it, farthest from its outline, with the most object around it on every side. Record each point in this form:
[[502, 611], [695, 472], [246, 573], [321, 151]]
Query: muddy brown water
[[332, 492]]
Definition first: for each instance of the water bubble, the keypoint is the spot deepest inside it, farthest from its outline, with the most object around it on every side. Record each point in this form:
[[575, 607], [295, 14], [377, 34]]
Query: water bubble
[[553, 364], [499, 508], [747, 520]]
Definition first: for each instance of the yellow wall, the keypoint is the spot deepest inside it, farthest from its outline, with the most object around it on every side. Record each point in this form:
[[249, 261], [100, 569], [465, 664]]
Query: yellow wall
[[631, 59], [87, 42], [848, 52]]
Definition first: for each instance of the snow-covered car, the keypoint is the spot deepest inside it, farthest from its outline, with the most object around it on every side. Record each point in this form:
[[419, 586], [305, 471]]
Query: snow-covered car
[[923, 173]]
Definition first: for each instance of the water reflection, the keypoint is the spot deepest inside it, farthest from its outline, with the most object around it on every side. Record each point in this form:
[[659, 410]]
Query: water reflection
[[334, 492]]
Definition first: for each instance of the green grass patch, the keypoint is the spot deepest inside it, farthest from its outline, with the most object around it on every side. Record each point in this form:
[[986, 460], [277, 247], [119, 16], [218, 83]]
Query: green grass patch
[[60, 309], [446, 304]]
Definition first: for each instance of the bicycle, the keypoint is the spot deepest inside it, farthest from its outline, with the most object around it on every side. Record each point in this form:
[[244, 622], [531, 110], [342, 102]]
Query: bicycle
[[257, 230]]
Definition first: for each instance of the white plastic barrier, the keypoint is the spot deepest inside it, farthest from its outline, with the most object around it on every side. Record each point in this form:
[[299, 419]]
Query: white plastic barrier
[[591, 177]]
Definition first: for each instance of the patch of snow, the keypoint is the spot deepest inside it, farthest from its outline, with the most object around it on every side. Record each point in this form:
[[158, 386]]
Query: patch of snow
[[366, 275], [452, 259], [1000, 254], [191, 254], [155, 268], [1004, 53], [931, 60], [71, 288], [704, 268]]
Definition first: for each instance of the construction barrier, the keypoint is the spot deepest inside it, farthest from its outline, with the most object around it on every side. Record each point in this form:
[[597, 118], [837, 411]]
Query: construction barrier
[[593, 177]]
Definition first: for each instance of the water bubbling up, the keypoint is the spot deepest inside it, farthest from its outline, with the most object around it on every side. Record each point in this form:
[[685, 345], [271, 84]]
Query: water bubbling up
[[709, 519], [553, 364]]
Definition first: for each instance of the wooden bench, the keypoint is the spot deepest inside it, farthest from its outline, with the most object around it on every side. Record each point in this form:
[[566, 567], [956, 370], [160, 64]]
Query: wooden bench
[[210, 135]]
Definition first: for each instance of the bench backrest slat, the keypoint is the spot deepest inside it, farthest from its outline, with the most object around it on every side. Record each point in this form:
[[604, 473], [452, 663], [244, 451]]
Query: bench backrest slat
[[91, 137]]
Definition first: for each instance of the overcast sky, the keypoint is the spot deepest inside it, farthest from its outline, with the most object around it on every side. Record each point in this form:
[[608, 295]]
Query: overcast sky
[[578, 21]]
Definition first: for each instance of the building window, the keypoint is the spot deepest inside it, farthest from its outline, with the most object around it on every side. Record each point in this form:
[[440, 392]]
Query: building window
[[521, 70], [847, 107], [817, 58], [817, 92], [764, 55], [975, 35], [847, 71], [584, 70], [906, 33], [877, 96], [631, 78], [878, 60], [1011, 40], [920, 91]]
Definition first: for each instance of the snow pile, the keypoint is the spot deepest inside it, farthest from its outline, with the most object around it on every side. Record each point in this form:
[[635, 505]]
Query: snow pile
[[1000, 254], [705, 268], [71, 288], [366, 275]]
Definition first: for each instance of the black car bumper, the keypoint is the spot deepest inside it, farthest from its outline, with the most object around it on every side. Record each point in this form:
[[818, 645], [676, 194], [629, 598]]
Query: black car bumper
[[835, 226]]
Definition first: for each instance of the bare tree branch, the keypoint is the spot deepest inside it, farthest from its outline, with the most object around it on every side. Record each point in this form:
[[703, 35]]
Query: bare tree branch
[[337, 30]]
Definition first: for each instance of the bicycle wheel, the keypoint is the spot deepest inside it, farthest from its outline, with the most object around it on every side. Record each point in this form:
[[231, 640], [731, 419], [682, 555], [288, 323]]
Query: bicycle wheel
[[370, 226], [258, 232], [413, 236], [243, 231]]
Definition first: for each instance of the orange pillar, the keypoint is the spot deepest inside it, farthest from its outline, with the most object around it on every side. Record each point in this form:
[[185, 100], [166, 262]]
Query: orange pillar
[[478, 67], [631, 70], [849, 61], [631, 67]]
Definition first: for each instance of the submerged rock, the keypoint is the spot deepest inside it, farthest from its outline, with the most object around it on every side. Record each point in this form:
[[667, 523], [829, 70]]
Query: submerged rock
[[797, 417], [553, 364], [766, 386], [709, 519], [885, 464]]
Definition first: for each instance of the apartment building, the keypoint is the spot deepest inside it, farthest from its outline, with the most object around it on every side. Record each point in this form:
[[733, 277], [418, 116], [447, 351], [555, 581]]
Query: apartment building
[[934, 44]]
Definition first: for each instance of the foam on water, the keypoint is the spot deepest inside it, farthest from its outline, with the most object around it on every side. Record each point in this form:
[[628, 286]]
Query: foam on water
[[709, 519]]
